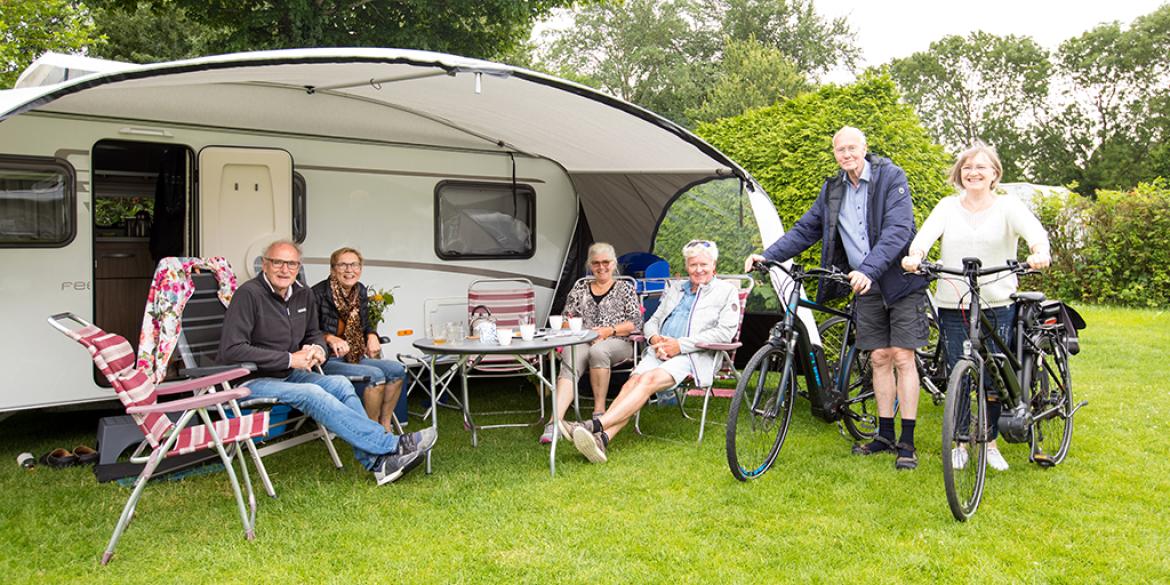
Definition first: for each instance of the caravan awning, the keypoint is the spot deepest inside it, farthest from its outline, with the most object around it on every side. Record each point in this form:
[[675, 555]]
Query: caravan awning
[[625, 162]]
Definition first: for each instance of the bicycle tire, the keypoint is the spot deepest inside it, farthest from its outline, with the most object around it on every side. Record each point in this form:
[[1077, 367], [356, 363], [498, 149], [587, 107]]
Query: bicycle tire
[[931, 360], [761, 411], [856, 384], [1050, 385], [964, 427]]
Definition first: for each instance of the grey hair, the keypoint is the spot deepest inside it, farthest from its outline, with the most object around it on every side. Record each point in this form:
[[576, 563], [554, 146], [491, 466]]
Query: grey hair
[[845, 129], [694, 247], [281, 243], [602, 249]]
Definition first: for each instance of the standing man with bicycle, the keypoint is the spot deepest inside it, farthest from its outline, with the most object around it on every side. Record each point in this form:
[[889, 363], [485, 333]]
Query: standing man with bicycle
[[864, 219]]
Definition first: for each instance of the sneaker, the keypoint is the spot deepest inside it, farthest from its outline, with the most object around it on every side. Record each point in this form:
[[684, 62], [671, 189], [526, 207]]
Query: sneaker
[[567, 428], [412, 450], [547, 436], [959, 457], [995, 459], [589, 444]]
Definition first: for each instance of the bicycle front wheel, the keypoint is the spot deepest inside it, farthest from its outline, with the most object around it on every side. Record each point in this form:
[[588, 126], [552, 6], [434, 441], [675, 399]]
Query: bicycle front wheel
[[964, 440], [760, 412], [1050, 385]]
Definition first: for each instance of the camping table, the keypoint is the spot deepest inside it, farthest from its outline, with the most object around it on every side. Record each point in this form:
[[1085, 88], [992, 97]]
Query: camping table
[[519, 348]]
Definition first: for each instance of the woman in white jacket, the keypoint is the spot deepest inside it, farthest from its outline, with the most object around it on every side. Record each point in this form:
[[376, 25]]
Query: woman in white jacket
[[700, 309], [978, 223]]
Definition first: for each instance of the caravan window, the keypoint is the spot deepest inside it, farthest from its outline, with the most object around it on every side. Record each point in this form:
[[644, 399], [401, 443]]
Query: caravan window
[[36, 202], [484, 220]]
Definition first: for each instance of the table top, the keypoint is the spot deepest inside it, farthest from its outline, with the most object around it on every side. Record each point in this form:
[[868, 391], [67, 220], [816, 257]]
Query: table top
[[518, 346]]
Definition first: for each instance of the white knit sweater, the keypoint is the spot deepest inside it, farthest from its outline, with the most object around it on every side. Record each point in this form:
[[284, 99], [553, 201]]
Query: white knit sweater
[[992, 235]]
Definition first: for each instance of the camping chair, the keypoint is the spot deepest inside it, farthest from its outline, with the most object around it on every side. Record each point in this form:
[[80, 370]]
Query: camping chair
[[724, 360], [115, 358], [620, 368], [198, 347], [506, 300], [651, 274]]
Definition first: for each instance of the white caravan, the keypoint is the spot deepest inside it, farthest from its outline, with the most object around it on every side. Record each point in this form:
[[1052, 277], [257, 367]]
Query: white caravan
[[440, 169]]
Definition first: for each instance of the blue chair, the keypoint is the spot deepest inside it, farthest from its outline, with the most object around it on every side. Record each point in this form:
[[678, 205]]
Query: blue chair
[[650, 273]]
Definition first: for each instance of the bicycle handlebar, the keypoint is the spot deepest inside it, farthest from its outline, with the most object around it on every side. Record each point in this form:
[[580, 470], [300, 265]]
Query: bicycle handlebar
[[969, 267], [798, 273]]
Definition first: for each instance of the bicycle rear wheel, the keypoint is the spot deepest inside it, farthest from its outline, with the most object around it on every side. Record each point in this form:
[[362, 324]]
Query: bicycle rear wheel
[[964, 440], [1050, 384], [760, 412], [856, 383]]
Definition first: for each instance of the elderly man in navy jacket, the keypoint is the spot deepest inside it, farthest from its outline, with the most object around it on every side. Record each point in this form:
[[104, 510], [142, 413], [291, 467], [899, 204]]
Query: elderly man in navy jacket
[[272, 322], [864, 220]]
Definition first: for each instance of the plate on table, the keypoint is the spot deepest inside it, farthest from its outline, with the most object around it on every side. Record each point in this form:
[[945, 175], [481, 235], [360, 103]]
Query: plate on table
[[539, 333]]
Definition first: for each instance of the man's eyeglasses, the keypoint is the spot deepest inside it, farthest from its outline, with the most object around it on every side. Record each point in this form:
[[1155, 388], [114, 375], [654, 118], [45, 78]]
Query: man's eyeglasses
[[351, 266], [278, 263], [699, 244]]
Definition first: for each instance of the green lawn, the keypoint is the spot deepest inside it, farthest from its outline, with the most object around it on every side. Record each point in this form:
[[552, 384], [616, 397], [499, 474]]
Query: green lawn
[[662, 511]]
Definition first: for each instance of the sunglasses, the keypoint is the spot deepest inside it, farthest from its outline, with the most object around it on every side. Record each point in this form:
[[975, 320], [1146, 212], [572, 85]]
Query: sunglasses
[[699, 244]]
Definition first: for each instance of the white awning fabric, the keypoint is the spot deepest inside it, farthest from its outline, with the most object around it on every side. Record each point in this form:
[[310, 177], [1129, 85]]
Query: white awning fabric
[[626, 163]]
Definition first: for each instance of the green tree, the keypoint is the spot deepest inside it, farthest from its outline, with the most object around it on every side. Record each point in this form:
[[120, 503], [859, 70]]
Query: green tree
[[751, 75], [28, 28], [786, 147], [979, 87], [474, 28], [815, 45], [1113, 119], [149, 32]]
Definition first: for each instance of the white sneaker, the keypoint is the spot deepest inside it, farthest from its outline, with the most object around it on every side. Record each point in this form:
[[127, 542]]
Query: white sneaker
[[959, 457], [547, 436], [995, 459]]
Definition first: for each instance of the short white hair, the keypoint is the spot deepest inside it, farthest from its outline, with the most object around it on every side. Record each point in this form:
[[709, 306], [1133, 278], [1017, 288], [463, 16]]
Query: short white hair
[[696, 247], [847, 130], [602, 250]]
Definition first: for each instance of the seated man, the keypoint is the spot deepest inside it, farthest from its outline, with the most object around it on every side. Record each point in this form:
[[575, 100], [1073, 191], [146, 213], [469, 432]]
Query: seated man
[[701, 309], [272, 322]]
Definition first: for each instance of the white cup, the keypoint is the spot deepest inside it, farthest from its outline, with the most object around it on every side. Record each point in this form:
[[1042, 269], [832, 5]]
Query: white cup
[[555, 322], [504, 335], [527, 331], [575, 324]]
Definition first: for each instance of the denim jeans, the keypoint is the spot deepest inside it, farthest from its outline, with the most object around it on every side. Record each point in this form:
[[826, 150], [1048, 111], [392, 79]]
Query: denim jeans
[[952, 327], [378, 370], [331, 401]]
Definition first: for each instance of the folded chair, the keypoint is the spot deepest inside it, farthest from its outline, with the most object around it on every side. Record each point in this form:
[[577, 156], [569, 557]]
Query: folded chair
[[115, 358], [198, 348], [506, 300], [724, 360]]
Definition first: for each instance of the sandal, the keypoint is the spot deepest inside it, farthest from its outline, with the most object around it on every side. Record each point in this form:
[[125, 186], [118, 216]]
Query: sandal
[[906, 461], [883, 445], [59, 458], [85, 455]]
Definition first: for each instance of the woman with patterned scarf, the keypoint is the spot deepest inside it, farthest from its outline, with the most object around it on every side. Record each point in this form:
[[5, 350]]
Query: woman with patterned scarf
[[344, 309]]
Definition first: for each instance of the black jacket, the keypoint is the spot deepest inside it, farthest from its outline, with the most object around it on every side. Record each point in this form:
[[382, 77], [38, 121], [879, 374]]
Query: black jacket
[[327, 309], [262, 328], [890, 224]]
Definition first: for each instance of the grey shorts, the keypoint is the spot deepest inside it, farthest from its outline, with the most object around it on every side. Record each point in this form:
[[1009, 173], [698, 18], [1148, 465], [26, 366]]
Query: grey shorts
[[603, 354], [902, 324]]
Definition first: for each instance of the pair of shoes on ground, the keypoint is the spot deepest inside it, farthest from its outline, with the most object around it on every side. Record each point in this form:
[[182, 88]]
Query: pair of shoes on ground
[[566, 429], [61, 457], [907, 454], [590, 444], [995, 460], [412, 450]]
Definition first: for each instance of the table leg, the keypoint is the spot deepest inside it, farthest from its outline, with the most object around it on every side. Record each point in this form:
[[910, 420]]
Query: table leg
[[556, 417], [434, 408]]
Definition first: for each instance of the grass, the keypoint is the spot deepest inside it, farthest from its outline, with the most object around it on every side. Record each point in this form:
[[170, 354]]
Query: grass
[[662, 511]]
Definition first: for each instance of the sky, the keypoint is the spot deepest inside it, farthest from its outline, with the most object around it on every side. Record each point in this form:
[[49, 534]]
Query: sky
[[898, 28]]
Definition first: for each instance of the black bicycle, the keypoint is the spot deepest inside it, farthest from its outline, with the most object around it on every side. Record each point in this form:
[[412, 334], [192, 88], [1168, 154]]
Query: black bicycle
[[851, 370], [1031, 379], [761, 409]]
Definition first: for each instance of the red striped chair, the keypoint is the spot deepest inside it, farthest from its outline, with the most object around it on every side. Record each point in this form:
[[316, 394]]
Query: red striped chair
[[506, 300], [165, 437]]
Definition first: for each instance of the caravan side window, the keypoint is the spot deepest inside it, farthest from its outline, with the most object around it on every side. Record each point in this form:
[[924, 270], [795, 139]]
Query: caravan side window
[[36, 202], [484, 220]]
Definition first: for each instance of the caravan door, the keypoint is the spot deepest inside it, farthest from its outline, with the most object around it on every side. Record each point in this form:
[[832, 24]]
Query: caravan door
[[245, 203]]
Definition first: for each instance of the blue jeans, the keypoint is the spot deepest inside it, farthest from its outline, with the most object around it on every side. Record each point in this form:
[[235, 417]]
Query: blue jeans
[[952, 327], [331, 401], [379, 371]]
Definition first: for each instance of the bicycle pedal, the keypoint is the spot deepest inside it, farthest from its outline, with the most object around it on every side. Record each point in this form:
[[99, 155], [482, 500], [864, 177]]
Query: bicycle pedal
[[1043, 460]]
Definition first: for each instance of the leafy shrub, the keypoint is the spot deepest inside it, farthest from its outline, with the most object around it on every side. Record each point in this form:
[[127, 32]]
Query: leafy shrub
[[1113, 250], [787, 147]]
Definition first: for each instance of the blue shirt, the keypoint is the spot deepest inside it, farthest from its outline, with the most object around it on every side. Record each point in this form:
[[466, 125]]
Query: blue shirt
[[675, 324], [852, 219]]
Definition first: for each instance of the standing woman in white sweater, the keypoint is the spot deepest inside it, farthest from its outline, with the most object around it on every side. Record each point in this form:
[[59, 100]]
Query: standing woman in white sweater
[[978, 223]]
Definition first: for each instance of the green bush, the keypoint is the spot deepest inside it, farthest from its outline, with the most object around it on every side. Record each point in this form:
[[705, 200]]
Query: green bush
[[787, 147], [1113, 250]]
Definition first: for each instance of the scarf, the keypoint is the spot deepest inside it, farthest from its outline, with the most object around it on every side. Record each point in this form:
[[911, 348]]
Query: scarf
[[349, 312]]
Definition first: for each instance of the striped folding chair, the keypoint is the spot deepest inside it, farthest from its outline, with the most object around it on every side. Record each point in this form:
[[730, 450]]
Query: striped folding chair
[[507, 300], [165, 437]]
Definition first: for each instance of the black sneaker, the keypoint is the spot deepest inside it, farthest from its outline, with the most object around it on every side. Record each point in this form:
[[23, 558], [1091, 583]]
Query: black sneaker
[[412, 450]]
